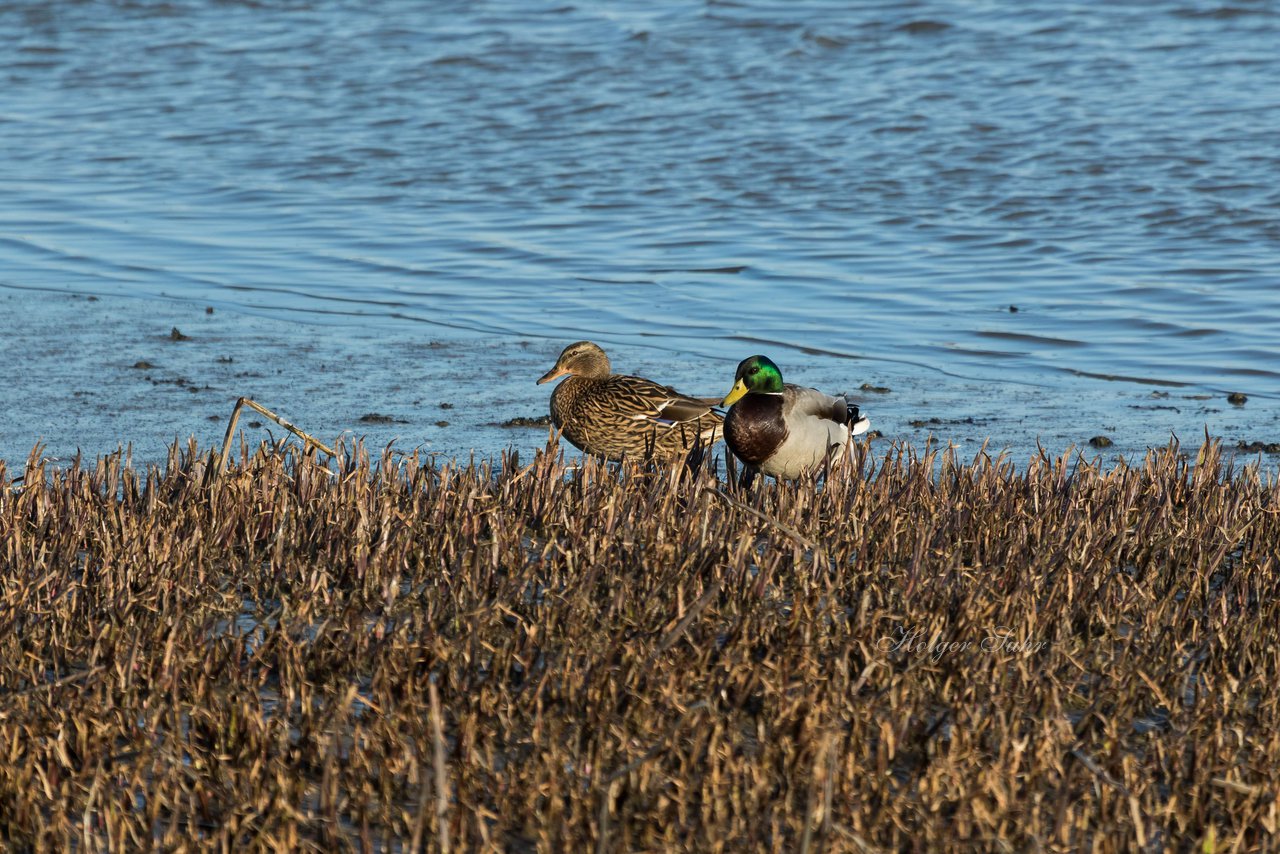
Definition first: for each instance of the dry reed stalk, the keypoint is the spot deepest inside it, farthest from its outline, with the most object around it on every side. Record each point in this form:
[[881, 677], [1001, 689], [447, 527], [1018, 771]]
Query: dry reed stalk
[[442, 781]]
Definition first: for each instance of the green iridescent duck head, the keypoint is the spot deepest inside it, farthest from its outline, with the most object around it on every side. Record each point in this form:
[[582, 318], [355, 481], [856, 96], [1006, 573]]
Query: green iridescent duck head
[[755, 374]]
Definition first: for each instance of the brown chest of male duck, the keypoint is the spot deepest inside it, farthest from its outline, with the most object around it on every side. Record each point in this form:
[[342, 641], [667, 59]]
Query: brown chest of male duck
[[755, 428]]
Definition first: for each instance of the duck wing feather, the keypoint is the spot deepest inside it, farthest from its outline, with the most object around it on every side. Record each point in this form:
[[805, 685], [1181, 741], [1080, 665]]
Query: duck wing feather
[[645, 400], [802, 402]]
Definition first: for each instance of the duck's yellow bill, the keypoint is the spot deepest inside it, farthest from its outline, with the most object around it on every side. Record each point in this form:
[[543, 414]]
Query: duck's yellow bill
[[738, 390]]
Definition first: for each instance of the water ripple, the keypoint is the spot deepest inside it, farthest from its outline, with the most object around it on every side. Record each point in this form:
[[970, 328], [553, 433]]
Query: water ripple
[[880, 181]]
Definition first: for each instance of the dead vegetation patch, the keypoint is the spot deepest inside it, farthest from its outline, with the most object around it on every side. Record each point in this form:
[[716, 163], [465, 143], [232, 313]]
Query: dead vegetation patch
[[922, 654]]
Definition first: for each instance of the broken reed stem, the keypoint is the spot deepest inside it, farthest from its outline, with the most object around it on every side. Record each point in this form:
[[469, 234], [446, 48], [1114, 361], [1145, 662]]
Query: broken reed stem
[[692, 614], [607, 794], [420, 815], [49, 686], [442, 782], [772, 522], [307, 439], [811, 807]]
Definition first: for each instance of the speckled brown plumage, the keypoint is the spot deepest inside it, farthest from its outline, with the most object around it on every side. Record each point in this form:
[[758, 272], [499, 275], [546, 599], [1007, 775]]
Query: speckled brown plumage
[[615, 415]]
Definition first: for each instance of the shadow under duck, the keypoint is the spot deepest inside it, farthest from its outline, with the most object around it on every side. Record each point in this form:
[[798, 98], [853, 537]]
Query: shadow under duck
[[782, 429], [616, 415]]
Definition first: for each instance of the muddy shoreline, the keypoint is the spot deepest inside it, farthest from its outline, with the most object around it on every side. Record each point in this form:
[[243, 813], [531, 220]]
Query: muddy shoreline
[[93, 374]]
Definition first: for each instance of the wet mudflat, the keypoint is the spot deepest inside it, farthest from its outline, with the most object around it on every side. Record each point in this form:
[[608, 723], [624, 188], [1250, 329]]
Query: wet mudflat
[[97, 374], [400, 652]]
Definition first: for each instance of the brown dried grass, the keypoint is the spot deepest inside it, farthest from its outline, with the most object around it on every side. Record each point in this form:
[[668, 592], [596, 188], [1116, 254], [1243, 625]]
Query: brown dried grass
[[412, 655]]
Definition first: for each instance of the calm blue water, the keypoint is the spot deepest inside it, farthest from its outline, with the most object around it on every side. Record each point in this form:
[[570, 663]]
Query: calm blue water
[[873, 180]]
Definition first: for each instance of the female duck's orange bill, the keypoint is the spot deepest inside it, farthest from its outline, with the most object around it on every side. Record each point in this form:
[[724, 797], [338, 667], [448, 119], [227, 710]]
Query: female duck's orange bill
[[557, 371]]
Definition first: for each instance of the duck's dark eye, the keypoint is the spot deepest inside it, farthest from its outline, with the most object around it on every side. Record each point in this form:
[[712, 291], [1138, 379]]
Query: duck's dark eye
[[755, 369]]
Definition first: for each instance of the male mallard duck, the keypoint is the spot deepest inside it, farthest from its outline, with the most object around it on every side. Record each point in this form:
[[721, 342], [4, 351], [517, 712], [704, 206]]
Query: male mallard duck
[[613, 415], [783, 429]]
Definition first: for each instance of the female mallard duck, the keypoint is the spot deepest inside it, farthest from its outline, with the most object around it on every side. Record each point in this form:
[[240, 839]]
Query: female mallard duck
[[613, 415], [783, 429]]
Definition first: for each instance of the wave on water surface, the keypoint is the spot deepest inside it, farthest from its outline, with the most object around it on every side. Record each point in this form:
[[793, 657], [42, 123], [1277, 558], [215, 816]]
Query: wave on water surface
[[1013, 196]]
